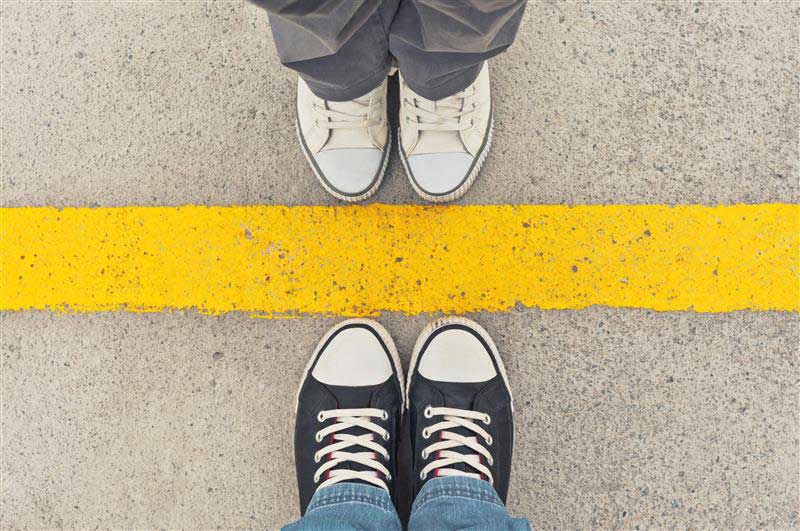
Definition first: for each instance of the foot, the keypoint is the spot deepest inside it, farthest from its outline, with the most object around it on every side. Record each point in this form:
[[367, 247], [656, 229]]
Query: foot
[[348, 411], [460, 406], [347, 143], [444, 143]]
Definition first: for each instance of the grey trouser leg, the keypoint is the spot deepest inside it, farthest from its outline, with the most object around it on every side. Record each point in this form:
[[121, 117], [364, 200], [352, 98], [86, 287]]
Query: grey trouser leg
[[339, 47], [342, 48], [441, 44]]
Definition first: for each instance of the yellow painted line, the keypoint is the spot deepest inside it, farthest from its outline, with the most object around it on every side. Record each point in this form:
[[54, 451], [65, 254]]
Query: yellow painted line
[[356, 260]]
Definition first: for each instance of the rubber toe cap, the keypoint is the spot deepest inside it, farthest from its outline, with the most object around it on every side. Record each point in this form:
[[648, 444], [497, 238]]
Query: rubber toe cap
[[440, 173], [456, 355], [350, 171], [353, 357]]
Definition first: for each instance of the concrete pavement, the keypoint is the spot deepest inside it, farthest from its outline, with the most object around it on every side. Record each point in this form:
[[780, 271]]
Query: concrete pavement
[[625, 418], [166, 104]]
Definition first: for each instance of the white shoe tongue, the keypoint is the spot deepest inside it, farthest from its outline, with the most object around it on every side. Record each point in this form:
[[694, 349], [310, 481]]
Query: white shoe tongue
[[436, 141], [349, 139], [356, 106], [439, 142], [355, 137]]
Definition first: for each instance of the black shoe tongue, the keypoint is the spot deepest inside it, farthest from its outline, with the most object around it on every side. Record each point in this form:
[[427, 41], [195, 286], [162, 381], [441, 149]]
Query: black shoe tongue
[[353, 397], [356, 398], [460, 395]]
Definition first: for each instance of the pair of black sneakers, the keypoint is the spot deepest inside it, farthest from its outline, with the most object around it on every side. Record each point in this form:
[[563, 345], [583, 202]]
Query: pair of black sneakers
[[352, 399]]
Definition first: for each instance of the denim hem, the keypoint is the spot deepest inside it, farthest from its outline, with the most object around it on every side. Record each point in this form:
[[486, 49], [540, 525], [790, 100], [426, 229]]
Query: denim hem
[[351, 493], [459, 487]]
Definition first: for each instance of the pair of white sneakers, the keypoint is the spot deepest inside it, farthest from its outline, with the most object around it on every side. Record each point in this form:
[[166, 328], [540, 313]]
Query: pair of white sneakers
[[442, 144]]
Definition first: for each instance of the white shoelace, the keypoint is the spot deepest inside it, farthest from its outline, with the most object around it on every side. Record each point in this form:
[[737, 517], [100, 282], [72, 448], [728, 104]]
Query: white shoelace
[[345, 419], [455, 418], [442, 115], [353, 114]]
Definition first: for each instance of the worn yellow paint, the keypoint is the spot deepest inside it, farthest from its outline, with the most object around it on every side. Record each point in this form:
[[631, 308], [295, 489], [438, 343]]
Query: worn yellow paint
[[356, 260]]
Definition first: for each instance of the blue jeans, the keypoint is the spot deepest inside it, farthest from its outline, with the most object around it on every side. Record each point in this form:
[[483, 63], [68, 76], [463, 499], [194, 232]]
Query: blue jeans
[[452, 502]]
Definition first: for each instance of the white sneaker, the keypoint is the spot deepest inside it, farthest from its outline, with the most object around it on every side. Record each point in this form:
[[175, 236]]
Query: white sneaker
[[347, 143], [444, 143]]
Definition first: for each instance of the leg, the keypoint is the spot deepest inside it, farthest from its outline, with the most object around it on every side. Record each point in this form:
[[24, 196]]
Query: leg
[[339, 47], [441, 44], [340, 50], [348, 506], [462, 430], [346, 432], [446, 114], [461, 503]]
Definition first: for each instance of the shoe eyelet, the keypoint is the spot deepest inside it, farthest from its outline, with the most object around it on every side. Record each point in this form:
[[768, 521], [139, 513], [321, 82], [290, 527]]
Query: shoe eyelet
[[491, 461], [489, 440], [423, 475], [388, 477], [487, 419], [320, 417], [386, 437], [428, 412], [317, 458], [384, 415], [424, 454], [316, 478], [318, 437], [425, 433]]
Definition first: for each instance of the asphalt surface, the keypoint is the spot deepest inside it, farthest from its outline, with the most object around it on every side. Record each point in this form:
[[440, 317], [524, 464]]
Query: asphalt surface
[[625, 418]]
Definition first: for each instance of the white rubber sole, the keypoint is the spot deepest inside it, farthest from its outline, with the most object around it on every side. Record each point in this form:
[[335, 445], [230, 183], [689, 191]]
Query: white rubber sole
[[348, 198], [384, 335], [444, 321], [465, 186]]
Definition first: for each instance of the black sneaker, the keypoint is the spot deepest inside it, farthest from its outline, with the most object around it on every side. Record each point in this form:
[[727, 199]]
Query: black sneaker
[[348, 410], [460, 406]]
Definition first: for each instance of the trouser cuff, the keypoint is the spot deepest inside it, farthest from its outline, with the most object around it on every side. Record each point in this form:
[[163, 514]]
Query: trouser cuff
[[459, 487], [351, 492], [454, 84], [331, 92]]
